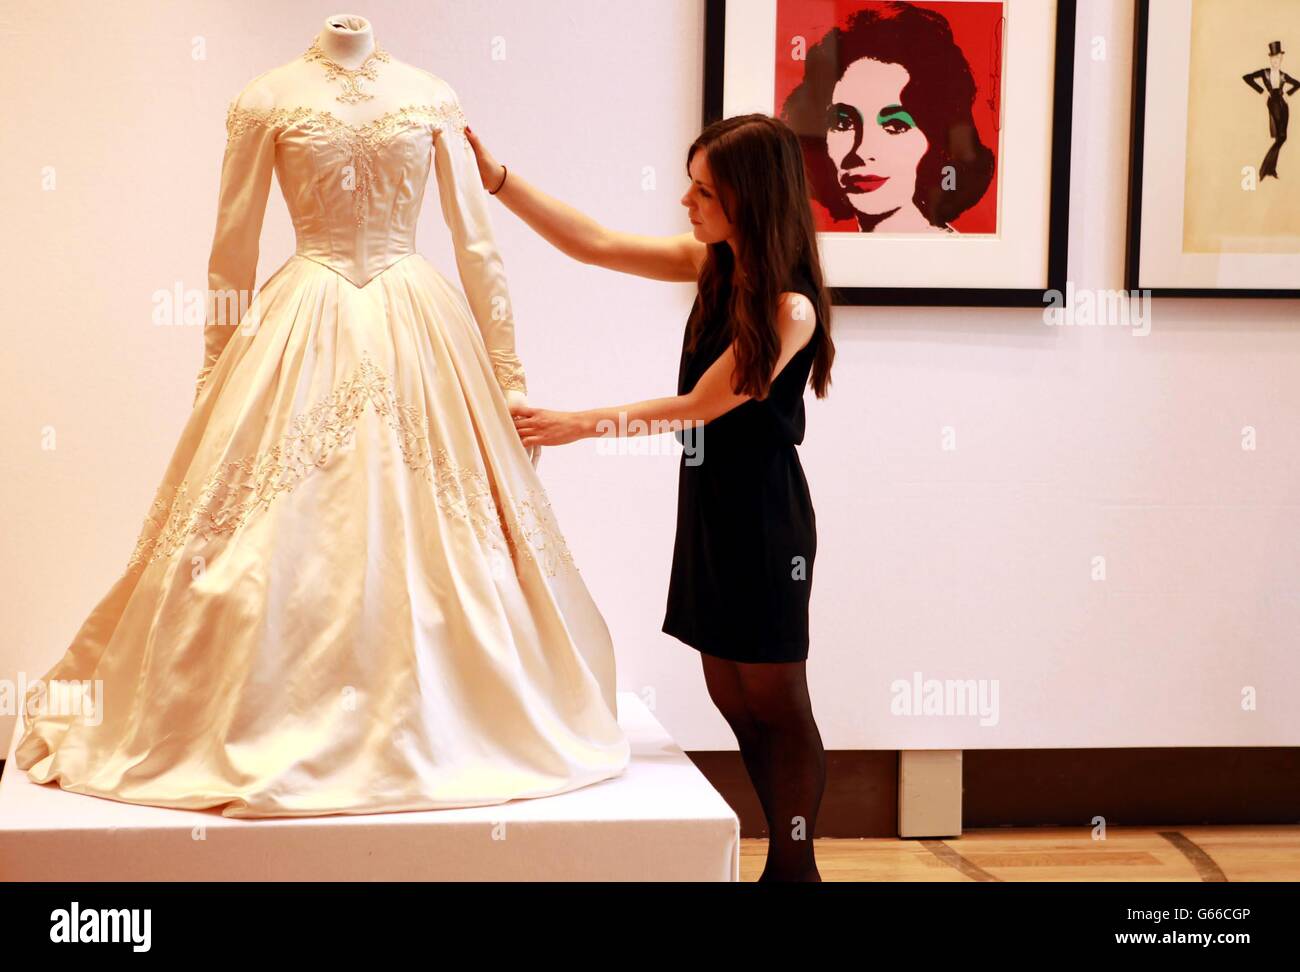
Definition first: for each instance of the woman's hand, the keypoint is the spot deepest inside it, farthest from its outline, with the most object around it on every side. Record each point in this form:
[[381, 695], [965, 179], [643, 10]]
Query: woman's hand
[[544, 427], [514, 398], [490, 171]]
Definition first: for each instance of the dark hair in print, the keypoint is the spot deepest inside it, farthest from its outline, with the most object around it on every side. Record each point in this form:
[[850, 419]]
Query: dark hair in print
[[758, 172], [939, 94]]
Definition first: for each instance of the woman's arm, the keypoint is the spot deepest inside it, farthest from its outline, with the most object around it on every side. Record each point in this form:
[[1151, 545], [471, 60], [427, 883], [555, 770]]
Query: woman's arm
[[711, 397], [1250, 80], [675, 258]]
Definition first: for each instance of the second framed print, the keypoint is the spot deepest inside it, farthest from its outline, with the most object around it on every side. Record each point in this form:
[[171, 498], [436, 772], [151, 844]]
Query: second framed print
[[936, 137], [1214, 192]]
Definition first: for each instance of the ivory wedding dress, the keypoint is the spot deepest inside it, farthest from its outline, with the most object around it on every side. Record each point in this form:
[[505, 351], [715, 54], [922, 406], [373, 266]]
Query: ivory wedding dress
[[351, 594]]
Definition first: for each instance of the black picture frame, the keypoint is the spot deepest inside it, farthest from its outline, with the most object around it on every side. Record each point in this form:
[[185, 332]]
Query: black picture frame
[[1059, 199], [1133, 242]]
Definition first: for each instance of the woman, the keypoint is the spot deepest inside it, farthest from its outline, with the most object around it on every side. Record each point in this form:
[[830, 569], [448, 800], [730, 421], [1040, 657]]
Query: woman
[[884, 115], [746, 531], [1276, 81]]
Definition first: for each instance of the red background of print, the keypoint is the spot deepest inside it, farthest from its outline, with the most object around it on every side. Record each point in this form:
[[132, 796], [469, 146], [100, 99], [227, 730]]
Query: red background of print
[[976, 27]]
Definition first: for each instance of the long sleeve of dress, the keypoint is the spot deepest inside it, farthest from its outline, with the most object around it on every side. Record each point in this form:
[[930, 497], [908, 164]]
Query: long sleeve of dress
[[232, 265], [479, 263]]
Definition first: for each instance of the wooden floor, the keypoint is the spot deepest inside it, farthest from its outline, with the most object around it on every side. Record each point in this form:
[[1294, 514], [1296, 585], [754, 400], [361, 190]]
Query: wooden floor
[[1254, 853]]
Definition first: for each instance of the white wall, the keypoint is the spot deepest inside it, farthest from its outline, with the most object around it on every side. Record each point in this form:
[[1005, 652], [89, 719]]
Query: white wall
[[972, 564]]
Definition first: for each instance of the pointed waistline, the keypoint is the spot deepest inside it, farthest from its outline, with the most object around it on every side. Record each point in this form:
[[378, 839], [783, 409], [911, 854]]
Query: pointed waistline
[[392, 263]]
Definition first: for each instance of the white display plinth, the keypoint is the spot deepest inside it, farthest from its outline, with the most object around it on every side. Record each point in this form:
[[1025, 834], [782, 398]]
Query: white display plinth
[[660, 821]]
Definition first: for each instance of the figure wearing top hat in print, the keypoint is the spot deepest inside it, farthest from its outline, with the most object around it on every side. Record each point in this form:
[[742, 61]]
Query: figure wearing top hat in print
[[1275, 85]]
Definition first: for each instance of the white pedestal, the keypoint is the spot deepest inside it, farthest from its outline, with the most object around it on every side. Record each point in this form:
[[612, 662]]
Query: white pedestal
[[660, 821]]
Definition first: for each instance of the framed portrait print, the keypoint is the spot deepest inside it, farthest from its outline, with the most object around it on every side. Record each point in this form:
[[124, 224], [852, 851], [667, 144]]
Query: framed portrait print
[[935, 134], [1214, 190]]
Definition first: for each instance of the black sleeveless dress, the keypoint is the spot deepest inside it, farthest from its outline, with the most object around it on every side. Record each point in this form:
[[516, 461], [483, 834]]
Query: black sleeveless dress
[[746, 530]]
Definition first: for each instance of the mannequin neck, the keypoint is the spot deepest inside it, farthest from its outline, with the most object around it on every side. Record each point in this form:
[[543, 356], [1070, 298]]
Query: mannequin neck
[[347, 40]]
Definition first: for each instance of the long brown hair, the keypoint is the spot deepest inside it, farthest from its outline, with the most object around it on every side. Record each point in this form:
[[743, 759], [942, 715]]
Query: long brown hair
[[758, 171]]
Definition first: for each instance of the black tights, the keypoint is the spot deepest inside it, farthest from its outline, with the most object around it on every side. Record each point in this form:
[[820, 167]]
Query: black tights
[[767, 707]]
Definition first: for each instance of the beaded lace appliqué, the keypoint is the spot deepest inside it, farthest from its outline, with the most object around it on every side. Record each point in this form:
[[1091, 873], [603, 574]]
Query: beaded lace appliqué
[[362, 143], [352, 92], [508, 369], [238, 489]]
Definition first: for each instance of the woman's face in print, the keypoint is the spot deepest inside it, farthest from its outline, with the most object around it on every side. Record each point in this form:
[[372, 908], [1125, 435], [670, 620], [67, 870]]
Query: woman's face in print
[[875, 145], [703, 207], [1275, 60]]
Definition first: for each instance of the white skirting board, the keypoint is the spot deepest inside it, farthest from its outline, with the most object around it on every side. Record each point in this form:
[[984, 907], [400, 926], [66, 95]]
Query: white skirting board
[[660, 821]]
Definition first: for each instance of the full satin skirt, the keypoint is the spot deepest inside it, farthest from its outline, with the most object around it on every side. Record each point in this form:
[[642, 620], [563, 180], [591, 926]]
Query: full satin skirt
[[350, 595]]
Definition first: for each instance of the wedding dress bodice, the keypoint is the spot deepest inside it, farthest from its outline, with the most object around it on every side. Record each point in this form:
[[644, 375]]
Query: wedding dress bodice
[[354, 190]]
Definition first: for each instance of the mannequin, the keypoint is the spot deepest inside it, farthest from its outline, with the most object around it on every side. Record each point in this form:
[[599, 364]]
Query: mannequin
[[314, 80], [347, 39]]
